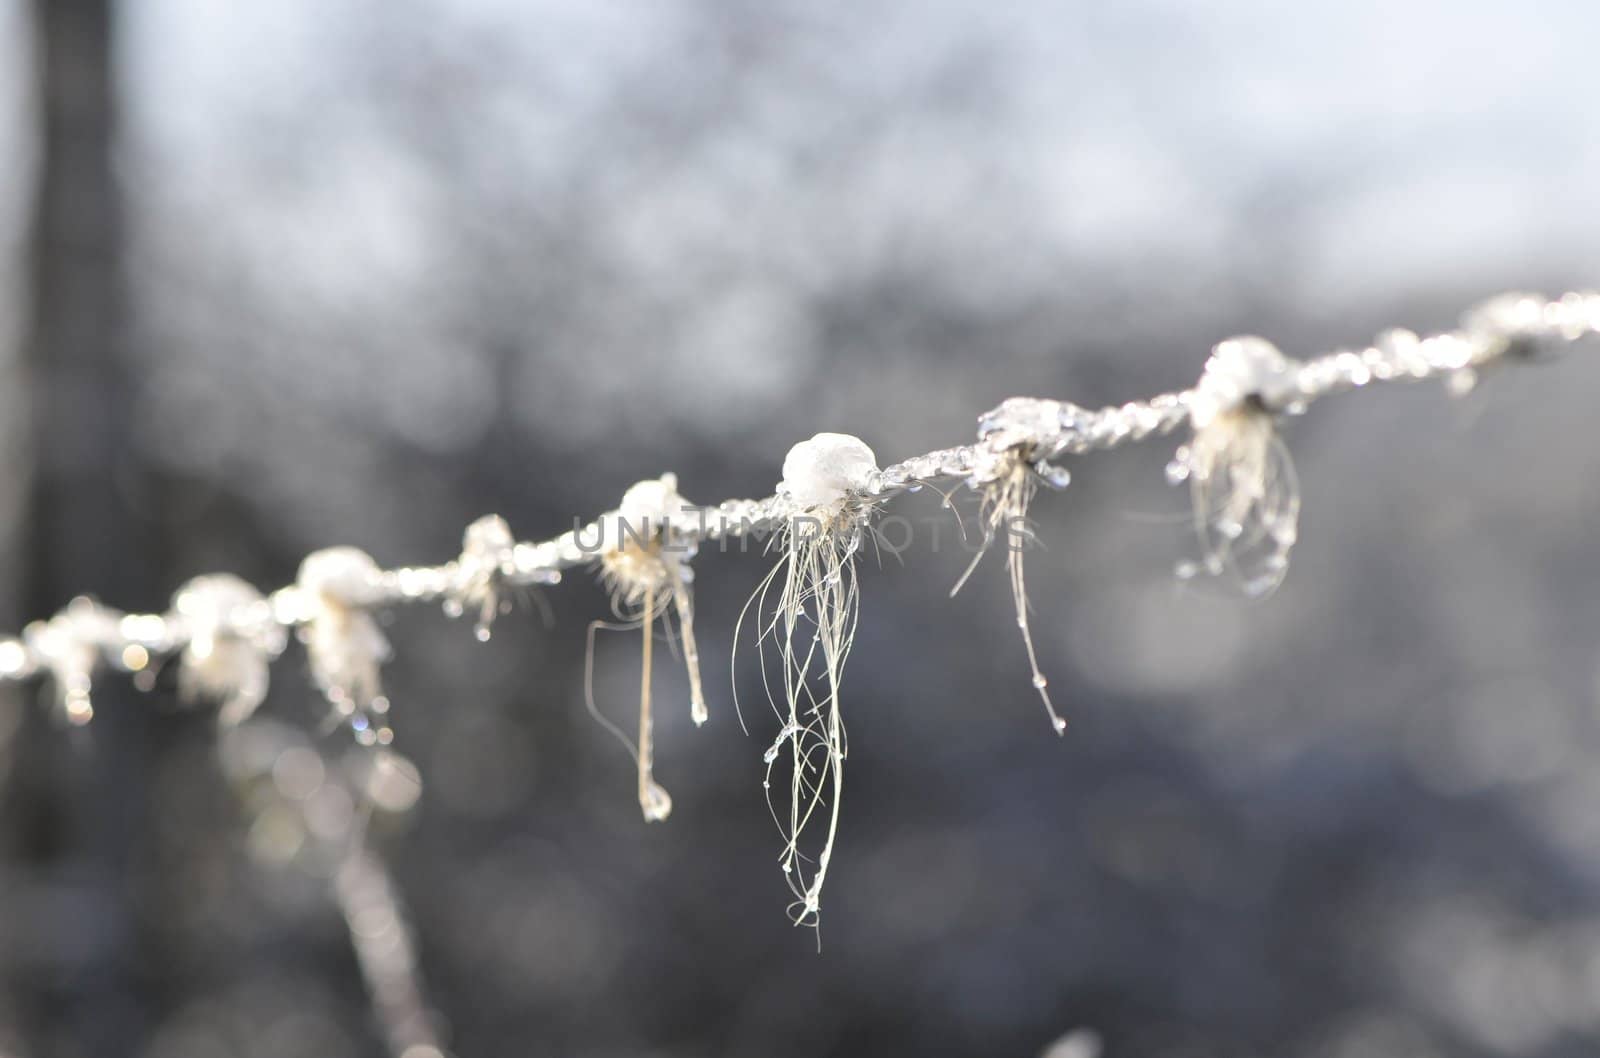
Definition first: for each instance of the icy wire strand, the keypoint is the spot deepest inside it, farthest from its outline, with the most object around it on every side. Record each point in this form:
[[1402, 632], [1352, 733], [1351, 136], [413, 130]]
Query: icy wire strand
[[1507, 328]]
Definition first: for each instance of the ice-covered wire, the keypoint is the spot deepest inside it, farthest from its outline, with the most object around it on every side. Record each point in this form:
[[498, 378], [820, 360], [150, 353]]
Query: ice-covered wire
[[87, 636]]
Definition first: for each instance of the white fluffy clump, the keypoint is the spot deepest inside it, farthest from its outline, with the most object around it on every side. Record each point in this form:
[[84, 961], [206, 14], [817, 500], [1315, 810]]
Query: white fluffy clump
[[231, 644], [345, 575], [655, 498], [824, 473], [68, 646], [1240, 372], [646, 510], [1241, 479], [343, 642]]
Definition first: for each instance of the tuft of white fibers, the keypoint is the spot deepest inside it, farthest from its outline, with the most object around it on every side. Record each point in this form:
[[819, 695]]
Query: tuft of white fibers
[[1241, 478], [811, 624], [344, 645], [645, 564], [68, 647], [487, 548], [1009, 465], [231, 643]]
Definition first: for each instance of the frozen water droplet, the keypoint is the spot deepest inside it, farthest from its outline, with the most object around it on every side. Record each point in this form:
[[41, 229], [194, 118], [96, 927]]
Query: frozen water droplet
[[1059, 724], [1214, 565], [656, 803], [482, 632], [1054, 476], [1177, 472], [1186, 570], [452, 608], [1040, 682], [771, 754], [1229, 528], [1260, 586]]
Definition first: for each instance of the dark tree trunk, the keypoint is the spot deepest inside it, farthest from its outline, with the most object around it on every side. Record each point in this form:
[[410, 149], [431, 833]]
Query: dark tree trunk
[[78, 802]]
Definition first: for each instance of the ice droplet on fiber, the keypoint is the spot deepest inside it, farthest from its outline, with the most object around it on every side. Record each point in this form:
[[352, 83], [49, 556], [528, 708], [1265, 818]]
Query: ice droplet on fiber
[[656, 803]]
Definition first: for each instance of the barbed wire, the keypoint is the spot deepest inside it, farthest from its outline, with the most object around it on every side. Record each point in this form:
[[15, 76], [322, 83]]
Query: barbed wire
[[226, 634], [338, 584]]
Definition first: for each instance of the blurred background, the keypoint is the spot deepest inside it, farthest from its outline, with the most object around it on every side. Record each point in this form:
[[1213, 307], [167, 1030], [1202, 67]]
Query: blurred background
[[283, 275]]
